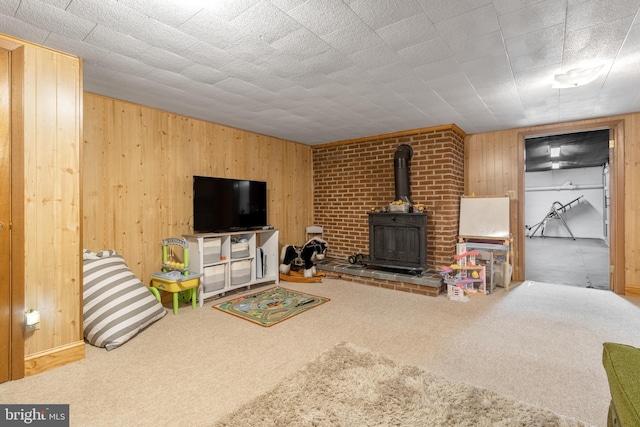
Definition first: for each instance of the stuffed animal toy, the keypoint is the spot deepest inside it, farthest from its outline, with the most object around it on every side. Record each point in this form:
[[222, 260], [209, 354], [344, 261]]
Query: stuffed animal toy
[[303, 257]]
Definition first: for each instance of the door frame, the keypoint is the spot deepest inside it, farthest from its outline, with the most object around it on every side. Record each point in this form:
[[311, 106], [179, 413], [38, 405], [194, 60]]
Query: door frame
[[616, 185], [17, 220]]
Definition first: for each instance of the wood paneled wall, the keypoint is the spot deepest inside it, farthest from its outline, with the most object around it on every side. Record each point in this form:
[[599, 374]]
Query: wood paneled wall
[[494, 165], [138, 164], [46, 206]]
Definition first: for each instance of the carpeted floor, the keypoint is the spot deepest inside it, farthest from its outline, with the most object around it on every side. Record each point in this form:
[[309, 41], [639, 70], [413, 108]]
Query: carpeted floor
[[539, 344]]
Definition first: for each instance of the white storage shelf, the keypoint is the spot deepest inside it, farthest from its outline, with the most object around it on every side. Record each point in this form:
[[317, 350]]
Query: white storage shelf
[[233, 260]]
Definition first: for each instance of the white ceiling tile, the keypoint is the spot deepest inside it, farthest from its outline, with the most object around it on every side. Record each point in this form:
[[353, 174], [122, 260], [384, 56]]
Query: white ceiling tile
[[116, 42], [436, 69], [482, 45], [253, 51], [169, 12], [287, 5], [536, 59], [205, 54], [381, 13], [265, 22], [496, 67], [301, 44], [533, 18], [408, 32], [374, 57], [440, 10], [53, 19], [235, 85], [329, 61], [204, 74], [9, 7], [229, 9], [506, 6], [206, 26], [323, 16], [168, 78], [157, 57], [593, 12], [89, 53], [125, 20], [353, 38], [23, 30], [425, 53], [536, 41], [469, 25]]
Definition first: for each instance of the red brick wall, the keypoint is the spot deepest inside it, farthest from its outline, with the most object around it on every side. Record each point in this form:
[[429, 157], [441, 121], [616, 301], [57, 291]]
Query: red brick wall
[[352, 177]]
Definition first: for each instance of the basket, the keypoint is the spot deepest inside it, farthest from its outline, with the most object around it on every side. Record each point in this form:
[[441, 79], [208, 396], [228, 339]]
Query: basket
[[399, 208]]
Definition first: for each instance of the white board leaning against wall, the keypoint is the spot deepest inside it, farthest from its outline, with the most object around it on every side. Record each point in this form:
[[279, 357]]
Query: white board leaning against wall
[[486, 217]]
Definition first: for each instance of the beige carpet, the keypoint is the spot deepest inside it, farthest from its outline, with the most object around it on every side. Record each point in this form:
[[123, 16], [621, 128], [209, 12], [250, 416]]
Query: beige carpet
[[538, 343], [349, 386]]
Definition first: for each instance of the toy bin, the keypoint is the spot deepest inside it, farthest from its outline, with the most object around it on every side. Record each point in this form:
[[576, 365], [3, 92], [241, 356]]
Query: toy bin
[[240, 250], [213, 279], [211, 250], [240, 272]]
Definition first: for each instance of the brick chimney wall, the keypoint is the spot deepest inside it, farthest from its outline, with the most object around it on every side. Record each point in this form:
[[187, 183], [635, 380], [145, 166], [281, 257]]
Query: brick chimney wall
[[353, 177]]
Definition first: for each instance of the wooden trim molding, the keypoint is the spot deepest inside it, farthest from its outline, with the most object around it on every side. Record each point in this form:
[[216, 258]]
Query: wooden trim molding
[[53, 358]]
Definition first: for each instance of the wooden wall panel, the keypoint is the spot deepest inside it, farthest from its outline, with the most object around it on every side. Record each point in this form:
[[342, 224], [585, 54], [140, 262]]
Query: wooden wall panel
[[138, 164], [47, 229], [494, 166]]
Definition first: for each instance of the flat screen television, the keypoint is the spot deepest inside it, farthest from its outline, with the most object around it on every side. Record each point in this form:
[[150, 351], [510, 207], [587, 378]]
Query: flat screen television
[[223, 204]]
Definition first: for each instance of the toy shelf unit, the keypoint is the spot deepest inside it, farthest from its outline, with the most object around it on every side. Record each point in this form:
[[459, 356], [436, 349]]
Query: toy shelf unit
[[232, 260], [465, 276]]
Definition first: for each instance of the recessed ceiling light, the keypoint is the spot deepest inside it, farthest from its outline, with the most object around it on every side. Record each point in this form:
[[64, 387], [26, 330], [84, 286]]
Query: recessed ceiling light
[[554, 151], [577, 77]]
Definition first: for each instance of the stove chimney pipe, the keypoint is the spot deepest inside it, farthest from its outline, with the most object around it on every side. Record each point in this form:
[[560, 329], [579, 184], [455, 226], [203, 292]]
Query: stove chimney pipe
[[401, 158]]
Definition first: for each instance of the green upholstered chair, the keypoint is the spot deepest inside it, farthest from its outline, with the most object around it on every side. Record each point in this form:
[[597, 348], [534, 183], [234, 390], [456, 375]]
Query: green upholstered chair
[[622, 365]]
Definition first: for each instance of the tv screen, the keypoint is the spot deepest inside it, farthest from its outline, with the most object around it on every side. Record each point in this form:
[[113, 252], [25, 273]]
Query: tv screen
[[223, 204]]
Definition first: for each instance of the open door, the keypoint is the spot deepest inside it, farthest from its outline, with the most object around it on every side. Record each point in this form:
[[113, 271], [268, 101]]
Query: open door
[[5, 211]]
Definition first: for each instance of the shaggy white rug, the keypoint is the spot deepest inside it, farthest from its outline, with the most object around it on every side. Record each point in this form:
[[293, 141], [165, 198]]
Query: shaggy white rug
[[349, 386]]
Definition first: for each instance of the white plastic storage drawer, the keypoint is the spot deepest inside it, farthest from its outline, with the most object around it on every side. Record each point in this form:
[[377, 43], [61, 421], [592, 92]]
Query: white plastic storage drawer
[[240, 272], [240, 250], [213, 279], [211, 251]]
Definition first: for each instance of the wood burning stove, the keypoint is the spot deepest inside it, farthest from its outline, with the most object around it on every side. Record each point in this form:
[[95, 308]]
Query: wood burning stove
[[398, 241]]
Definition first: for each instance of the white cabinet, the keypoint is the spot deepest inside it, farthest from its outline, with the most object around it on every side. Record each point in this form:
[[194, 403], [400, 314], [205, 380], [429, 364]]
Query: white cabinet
[[233, 260]]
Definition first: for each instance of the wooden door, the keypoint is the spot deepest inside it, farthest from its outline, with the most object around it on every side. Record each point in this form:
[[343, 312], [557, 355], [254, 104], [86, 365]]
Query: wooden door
[[5, 209]]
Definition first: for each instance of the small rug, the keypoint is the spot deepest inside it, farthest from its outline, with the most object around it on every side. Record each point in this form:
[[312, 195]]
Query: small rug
[[350, 386], [268, 307]]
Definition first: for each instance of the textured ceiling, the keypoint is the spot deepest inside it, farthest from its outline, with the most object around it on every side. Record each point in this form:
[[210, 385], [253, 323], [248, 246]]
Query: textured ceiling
[[317, 71]]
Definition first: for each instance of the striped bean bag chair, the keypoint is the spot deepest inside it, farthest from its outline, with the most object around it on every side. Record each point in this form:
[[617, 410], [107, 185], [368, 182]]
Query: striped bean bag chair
[[116, 305]]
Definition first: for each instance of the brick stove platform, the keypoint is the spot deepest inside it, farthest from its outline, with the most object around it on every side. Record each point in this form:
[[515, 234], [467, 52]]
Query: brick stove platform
[[429, 284]]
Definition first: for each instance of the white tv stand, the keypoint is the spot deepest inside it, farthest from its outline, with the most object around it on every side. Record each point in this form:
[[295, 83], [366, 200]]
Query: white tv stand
[[218, 270]]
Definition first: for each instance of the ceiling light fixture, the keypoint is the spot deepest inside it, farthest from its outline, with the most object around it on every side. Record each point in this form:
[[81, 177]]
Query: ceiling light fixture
[[554, 151], [577, 77], [555, 165]]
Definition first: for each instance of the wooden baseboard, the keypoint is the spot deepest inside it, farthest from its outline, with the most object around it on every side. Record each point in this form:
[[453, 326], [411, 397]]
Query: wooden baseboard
[[632, 291], [53, 358]]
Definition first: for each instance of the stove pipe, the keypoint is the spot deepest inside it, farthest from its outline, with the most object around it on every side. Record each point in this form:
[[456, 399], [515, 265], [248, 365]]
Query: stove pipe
[[401, 159]]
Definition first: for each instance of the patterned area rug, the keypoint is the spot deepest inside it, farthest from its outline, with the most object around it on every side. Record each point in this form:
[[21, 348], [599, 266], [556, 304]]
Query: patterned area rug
[[268, 307]]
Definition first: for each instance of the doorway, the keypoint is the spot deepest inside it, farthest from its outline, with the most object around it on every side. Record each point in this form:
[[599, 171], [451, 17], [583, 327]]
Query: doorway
[[566, 209], [568, 235]]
